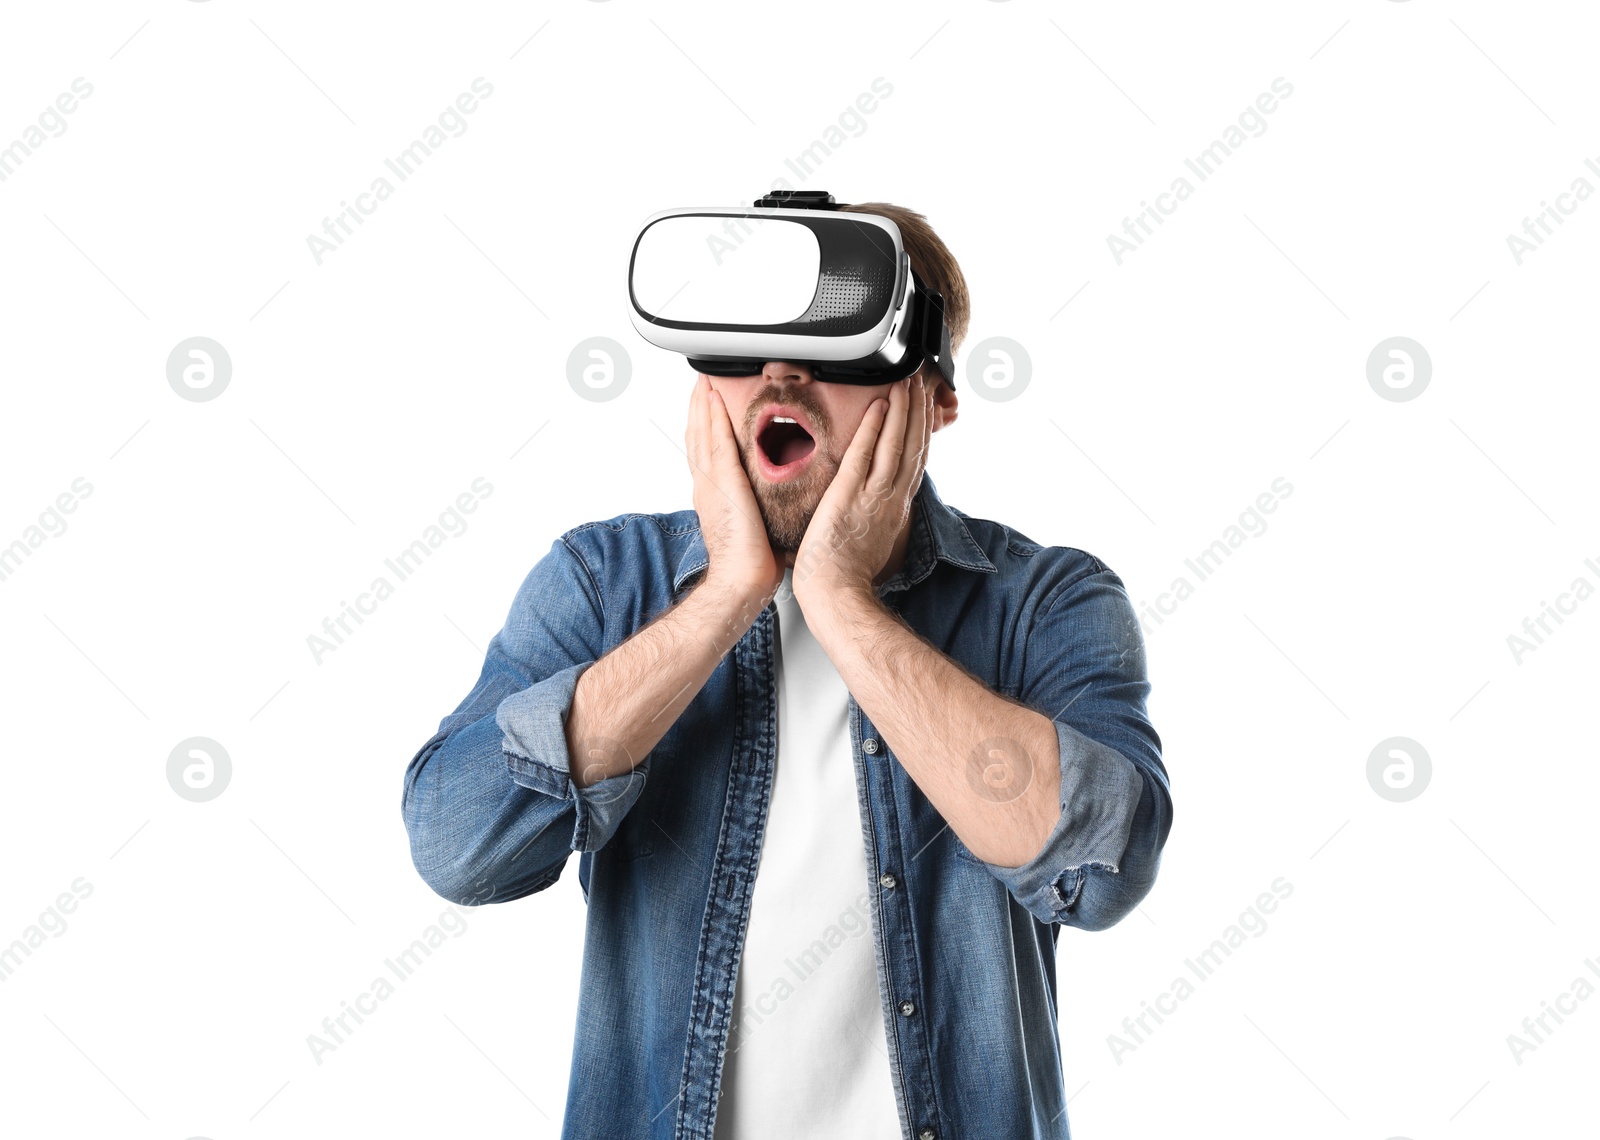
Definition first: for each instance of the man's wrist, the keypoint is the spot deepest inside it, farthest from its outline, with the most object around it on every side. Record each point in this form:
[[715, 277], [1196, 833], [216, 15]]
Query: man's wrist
[[841, 610], [730, 607]]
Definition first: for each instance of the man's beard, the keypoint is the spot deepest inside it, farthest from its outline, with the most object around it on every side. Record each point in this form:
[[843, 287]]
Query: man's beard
[[786, 508]]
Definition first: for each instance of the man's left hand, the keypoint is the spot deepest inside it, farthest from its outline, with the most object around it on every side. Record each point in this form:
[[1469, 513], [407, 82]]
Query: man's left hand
[[850, 537]]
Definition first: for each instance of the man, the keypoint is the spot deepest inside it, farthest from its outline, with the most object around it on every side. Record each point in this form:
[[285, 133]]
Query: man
[[839, 761]]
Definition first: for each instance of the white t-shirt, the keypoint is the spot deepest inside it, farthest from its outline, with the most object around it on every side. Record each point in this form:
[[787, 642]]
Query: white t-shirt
[[807, 1053]]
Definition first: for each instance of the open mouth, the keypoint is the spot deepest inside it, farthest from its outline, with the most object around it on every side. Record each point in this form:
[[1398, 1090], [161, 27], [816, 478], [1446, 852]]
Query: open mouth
[[783, 441]]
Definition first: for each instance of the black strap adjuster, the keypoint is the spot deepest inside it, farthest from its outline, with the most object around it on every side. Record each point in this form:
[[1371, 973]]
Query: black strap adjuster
[[797, 200]]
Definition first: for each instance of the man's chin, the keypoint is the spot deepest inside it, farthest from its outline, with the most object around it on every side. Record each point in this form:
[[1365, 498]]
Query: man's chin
[[786, 536], [786, 517], [787, 507]]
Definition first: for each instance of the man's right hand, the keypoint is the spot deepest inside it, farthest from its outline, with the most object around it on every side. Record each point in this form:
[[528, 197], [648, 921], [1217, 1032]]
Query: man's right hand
[[740, 553], [624, 704]]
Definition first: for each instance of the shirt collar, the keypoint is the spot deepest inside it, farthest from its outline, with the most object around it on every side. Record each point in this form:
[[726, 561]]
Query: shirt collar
[[938, 532]]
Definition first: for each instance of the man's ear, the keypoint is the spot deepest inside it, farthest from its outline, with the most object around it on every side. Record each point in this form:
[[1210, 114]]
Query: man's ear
[[946, 404]]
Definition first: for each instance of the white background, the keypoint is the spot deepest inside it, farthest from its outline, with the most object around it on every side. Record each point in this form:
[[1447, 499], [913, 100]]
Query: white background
[[369, 390]]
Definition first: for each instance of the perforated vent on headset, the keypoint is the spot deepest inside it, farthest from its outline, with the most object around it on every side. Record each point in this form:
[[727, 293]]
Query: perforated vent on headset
[[842, 294]]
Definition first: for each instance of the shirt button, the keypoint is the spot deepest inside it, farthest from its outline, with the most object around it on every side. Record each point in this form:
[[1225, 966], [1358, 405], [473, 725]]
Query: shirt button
[[907, 1008], [870, 746], [888, 881], [927, 1134]]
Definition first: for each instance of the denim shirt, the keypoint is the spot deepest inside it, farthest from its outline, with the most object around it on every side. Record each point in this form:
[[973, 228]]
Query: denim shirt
[[668, 853]]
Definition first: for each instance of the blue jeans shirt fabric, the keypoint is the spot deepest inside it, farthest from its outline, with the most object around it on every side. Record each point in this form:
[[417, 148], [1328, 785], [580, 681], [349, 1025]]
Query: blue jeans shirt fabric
[[965, 949]]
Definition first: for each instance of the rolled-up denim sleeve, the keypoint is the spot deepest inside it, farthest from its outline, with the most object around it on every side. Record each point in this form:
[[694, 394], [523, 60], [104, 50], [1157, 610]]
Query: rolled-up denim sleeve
[[1084, 667], [537, 757], [491, 812]]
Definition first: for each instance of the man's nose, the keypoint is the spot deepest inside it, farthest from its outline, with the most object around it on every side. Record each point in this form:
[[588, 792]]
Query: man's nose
[[780, 370]]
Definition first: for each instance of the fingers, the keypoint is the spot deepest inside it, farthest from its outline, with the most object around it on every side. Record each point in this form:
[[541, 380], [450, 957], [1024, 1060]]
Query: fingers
[[709, 439], [889, 455], [724, 447], [695, 433], [921, 432], [860, 458]]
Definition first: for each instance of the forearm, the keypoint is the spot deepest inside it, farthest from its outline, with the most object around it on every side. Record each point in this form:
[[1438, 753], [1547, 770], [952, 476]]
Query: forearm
[[625, 703], [988, 764], [475, 836]]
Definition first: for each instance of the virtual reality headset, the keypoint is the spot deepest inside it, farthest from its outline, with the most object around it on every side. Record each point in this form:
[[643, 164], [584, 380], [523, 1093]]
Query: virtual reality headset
[[791, 278]]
